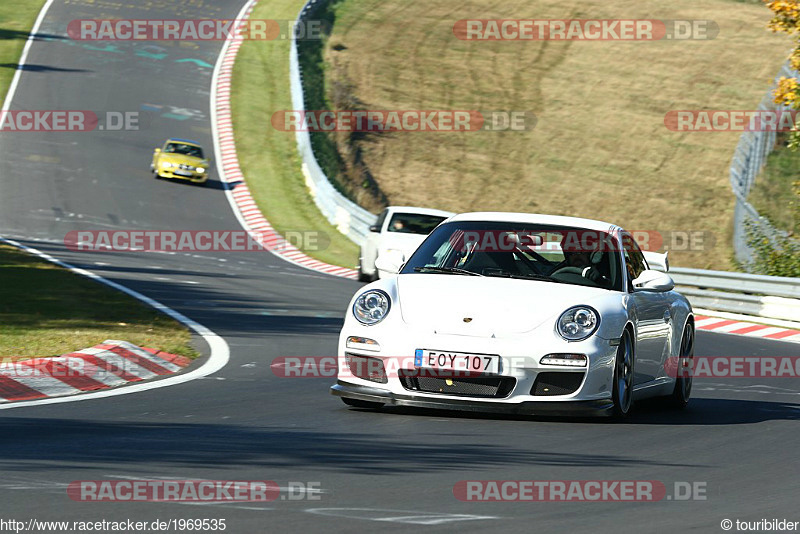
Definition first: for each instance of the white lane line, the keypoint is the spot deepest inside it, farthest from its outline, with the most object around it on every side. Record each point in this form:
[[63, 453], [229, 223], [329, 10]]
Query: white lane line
[[398, 516], [220, 352]]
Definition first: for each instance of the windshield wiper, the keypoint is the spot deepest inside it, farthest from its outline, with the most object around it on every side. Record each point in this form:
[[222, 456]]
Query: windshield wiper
[[506, 274], [446, 270]]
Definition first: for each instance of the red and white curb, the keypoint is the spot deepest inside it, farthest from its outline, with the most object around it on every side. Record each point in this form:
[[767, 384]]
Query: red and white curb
[[742, 328], [108, 365], [229, 171]]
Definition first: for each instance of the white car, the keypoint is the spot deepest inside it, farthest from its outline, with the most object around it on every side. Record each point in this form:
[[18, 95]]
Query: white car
[[398, 232], [519, 313]]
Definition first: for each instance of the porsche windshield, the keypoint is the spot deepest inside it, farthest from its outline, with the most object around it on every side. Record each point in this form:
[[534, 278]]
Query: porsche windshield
[[527, 251]]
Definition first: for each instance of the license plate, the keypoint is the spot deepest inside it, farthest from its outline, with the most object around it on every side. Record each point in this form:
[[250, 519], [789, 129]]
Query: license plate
[[183, 173], [471, 364]]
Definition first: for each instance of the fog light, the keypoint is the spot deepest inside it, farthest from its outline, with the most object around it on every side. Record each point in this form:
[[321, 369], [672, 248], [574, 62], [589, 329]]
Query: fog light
[[569, 360], [363, 343], [366, 368]]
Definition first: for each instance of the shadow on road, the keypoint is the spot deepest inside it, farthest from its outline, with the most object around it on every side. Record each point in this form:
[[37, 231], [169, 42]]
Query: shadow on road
[[28, 67], [700, 412], [28, 442], [8, 35]]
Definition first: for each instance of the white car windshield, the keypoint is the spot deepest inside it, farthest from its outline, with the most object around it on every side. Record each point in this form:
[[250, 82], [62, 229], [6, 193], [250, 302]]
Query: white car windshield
[[527, 251]]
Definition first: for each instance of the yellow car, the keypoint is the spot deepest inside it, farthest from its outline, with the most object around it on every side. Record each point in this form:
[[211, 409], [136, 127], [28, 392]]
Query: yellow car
[[182, 159]]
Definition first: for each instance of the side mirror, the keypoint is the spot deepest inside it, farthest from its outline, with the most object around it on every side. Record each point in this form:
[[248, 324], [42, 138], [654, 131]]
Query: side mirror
[[374, 228], [157, 151], [651, 280], [390, 261]]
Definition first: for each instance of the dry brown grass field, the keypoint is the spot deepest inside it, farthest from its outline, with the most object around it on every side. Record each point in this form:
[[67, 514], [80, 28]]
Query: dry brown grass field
[[600, 148]]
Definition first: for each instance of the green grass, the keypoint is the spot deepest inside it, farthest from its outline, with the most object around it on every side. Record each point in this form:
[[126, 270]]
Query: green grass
[[16, 21], [47, 311], [773, 194], [268, 157]]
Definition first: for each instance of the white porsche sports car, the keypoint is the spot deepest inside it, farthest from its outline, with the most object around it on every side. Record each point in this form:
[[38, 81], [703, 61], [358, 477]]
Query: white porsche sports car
[[519, 313]]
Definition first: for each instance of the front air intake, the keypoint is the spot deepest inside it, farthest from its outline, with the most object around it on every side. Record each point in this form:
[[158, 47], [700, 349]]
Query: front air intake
[[556, 383]]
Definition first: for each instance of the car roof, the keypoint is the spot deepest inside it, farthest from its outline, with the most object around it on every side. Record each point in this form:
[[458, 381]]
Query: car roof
[[535, 218], [179, 140], [422, 211]]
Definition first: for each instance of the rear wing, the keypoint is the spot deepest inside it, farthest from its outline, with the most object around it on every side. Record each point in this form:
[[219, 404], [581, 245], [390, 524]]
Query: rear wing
[[657, 261]]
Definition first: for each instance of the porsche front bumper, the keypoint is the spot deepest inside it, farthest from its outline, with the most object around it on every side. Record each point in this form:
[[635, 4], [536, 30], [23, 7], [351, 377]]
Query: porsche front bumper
[[597, 407]]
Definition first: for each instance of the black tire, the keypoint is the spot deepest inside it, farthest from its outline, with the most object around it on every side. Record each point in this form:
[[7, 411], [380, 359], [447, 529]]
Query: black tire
[[683, 383], [622, 382], [355, 403]]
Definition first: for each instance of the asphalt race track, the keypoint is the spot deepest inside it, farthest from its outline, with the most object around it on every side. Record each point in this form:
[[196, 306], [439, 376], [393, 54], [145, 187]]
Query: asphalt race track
[[392, 471]]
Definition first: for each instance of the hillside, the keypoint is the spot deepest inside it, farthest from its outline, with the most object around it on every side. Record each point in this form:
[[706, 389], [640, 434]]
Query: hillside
[[599, 149]]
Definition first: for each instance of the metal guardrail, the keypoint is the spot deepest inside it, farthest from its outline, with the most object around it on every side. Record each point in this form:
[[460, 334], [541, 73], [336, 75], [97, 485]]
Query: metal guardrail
[[773, 297], [748, 160], [348, 217]]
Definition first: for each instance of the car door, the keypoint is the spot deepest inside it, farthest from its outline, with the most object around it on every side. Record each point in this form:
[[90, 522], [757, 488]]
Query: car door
[[653, 320]]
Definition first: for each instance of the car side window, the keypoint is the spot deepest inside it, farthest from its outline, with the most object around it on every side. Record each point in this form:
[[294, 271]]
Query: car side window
[[381, 219], [634, 259]]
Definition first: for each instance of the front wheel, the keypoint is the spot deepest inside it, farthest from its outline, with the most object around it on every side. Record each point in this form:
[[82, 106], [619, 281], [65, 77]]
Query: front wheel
[[683, 382], [622, 383]]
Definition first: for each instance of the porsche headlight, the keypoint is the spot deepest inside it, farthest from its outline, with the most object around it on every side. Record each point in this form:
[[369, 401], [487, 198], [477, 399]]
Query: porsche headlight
[[371, 306], [578, 323]]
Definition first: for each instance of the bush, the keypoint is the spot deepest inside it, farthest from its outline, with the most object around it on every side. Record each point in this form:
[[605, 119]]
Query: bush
[[778, 255]]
